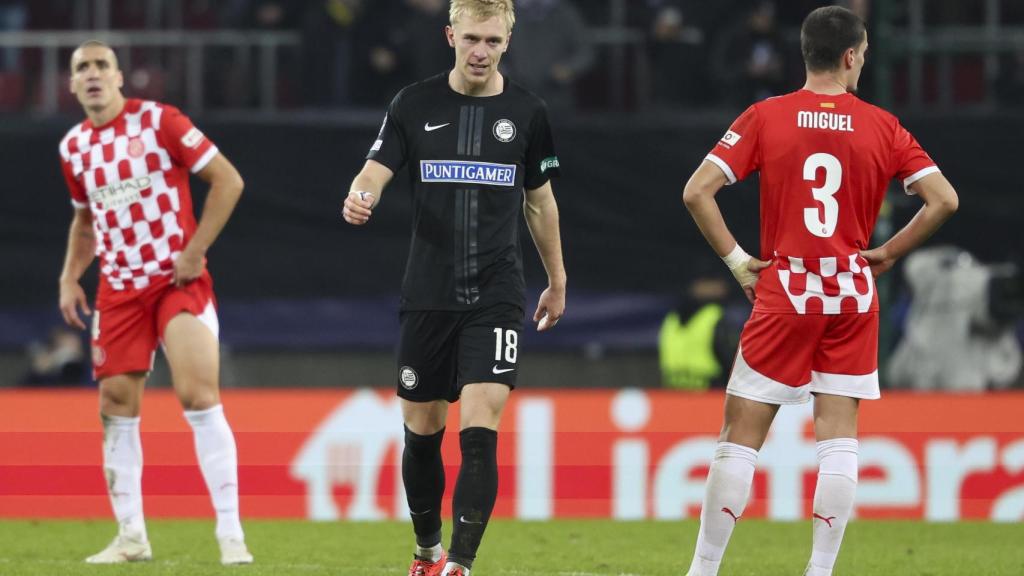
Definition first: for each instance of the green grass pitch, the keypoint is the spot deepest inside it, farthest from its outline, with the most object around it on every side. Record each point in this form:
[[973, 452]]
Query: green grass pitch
[[560, 548]]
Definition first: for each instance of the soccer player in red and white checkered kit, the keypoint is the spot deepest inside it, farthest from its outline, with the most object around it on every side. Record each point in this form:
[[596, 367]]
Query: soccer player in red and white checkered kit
[[127, 167], [825, 159]]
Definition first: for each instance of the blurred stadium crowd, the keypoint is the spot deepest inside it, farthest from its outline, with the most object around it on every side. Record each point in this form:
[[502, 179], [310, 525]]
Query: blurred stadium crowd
[[600, 60], [578, 54]]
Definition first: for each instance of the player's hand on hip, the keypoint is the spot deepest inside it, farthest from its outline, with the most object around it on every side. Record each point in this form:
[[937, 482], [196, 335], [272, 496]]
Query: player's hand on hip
[[748, 274], [72, 298], [358, 207], [187, 267], [879, 260], [550, 308]]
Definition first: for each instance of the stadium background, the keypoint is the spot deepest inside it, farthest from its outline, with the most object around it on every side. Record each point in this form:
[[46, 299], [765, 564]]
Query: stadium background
[[293, 93]]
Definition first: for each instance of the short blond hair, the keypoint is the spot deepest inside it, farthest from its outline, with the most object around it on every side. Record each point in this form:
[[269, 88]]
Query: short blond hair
[[482, 10]]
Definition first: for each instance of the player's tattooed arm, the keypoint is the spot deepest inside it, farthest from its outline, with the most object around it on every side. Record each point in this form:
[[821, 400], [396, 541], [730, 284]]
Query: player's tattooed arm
[[80, 253], [541, 211], [226, 187], [940, 202], [365, 192]]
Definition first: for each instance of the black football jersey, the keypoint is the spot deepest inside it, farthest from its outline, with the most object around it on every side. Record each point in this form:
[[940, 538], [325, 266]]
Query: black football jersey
[[469, 159]]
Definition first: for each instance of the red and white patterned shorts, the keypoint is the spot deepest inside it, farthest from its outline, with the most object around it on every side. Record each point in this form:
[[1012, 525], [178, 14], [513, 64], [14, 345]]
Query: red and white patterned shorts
[[127, 328], [783, 358]]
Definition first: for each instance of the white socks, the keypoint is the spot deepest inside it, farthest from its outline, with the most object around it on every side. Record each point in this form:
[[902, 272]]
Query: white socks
[[833, 502], [122, 466], [218, 459], [728, 488], [725, 498]]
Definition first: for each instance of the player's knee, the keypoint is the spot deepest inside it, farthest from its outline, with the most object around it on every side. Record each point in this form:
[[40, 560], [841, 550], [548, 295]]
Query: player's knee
[[425, 425], [112, 403], [744, 434], [199, 396], [117, 400], [482, 419]]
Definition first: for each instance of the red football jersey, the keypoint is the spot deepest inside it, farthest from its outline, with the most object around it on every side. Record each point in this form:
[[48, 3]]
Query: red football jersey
[[132, 173], [825, 163]]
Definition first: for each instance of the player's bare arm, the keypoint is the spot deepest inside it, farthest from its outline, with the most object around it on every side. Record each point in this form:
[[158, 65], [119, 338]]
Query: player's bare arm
[[541, 212], [225, 189], [365, 192], [940, 202], [81, 251], [699, 197]]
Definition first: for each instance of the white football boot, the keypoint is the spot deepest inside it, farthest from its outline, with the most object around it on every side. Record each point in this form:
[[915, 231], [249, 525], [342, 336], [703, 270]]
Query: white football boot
[[233, 551], [124, 548]]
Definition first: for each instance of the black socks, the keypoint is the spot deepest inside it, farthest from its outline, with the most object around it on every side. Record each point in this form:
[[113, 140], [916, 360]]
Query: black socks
[[423, 474], [475, 492]]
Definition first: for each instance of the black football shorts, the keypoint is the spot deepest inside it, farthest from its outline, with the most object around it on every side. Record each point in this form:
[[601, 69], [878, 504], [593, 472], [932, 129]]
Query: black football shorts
[[439, 351]]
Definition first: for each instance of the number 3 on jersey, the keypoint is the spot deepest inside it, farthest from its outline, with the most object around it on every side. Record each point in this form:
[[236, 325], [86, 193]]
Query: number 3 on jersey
[[825, 194]]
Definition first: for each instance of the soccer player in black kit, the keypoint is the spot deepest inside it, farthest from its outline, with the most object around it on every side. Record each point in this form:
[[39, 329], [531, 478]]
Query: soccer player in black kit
[[472, 142]]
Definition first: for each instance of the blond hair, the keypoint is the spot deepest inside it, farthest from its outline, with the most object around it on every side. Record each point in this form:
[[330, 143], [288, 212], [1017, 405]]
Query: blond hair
[[482, 10]]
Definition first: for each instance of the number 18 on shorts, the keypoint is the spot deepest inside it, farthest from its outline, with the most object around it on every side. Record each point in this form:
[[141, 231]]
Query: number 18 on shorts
[[439, 352]]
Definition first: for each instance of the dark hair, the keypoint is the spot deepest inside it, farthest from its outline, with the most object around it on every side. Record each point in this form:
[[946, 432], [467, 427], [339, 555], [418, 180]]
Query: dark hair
[[826, 34]]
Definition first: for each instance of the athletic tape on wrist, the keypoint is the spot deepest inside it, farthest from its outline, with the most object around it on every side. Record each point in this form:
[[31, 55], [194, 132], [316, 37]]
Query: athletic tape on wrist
[[738, 257]]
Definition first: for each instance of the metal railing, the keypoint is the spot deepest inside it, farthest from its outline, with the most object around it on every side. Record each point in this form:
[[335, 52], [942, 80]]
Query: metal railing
[[917, 42], [194, 43]]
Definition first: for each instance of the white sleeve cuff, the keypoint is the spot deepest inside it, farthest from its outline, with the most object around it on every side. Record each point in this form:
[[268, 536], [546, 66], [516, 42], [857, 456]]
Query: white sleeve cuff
[[204, 160], [917, 176], [79, 205], [721, 164]]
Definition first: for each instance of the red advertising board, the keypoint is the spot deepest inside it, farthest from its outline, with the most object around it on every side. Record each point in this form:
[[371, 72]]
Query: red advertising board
[[607, 454]]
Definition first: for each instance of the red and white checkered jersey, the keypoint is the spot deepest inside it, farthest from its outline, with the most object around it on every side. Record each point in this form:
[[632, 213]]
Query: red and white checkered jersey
[[132, 173], [825, 163]]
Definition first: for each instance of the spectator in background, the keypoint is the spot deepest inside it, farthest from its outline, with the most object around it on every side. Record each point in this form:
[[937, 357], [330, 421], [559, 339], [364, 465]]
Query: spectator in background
[[748, 63], [230, 83], [59, 361], [960, 331], [402, 46], [678, 53], [13, 18], [330, 34], [792, 12], [377, 66], [549, 50], [53, 14], [698, 340], [200, 15], [125, 15], [423, 56]]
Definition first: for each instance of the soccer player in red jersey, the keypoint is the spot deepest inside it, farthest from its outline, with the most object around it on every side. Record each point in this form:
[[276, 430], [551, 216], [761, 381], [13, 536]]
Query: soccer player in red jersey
[[127, 167], [825, 159]]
